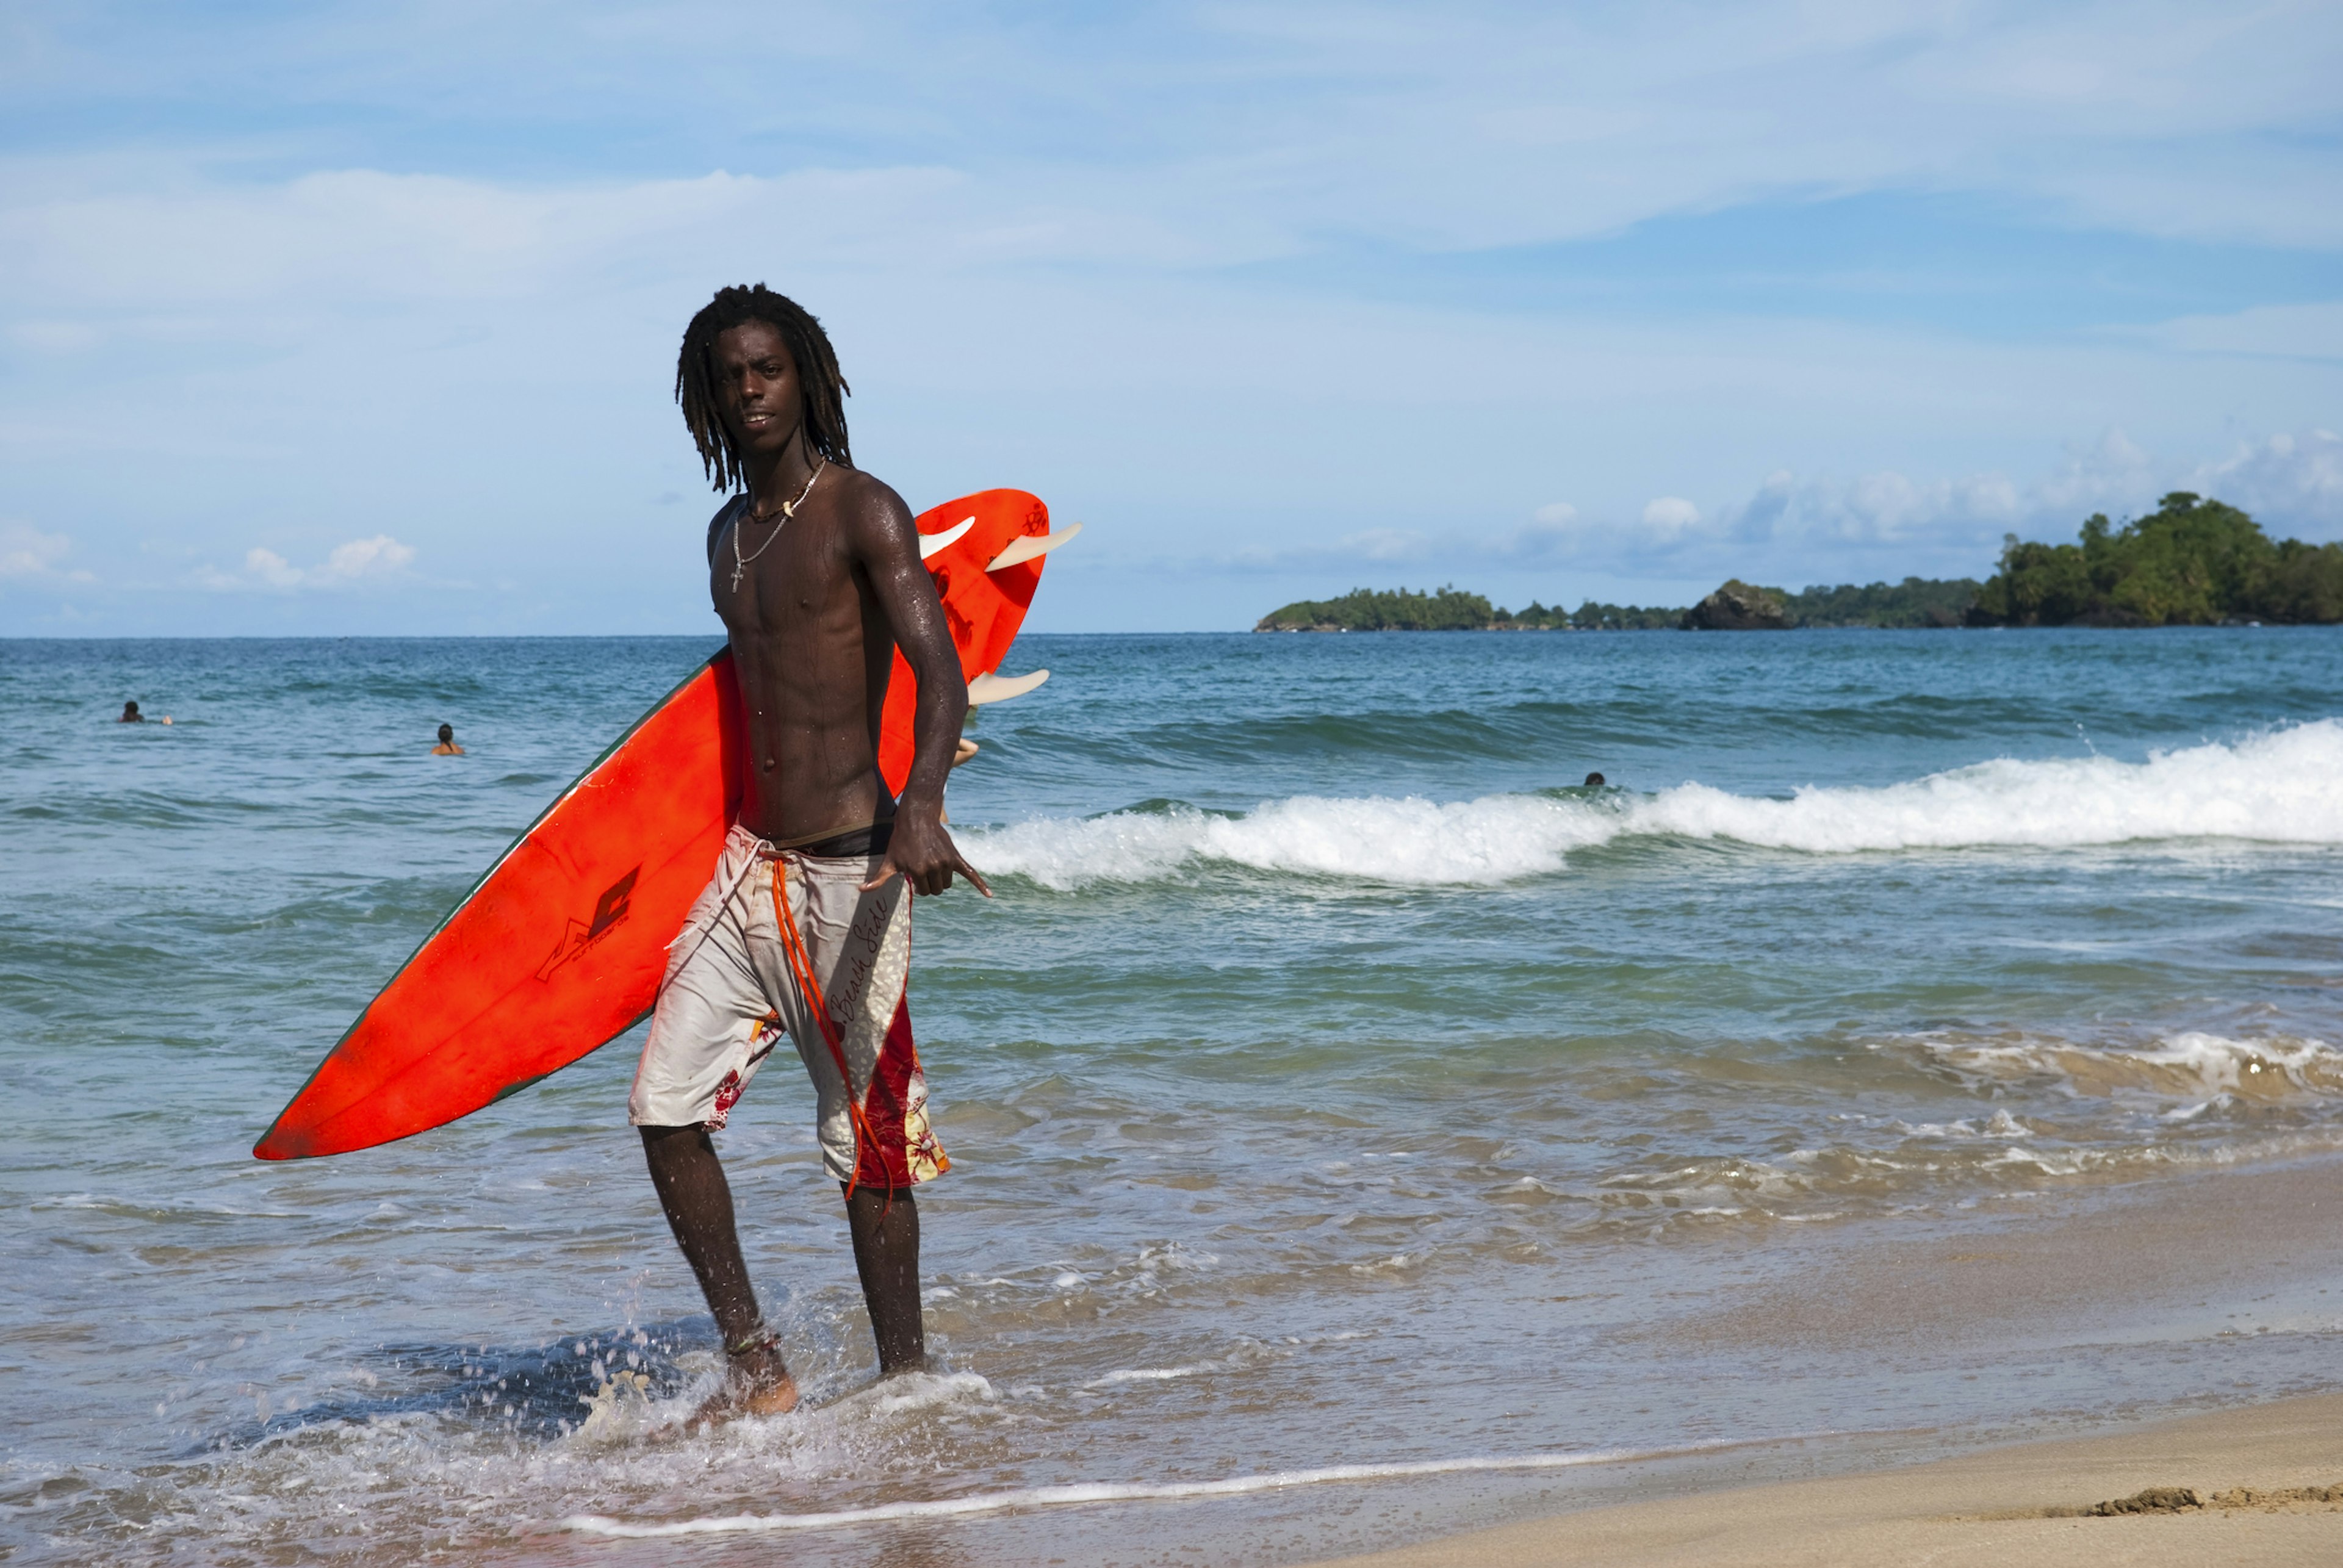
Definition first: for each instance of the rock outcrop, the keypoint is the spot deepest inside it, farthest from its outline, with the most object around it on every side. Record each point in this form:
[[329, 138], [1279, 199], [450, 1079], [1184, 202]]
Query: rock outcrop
[[1738, 606]]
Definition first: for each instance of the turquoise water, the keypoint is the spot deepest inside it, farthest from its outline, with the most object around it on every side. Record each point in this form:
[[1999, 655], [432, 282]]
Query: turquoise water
[[1336, 1082]]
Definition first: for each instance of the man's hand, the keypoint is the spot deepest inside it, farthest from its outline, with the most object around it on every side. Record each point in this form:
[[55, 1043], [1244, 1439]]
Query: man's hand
[[885, 542], [923, 854]]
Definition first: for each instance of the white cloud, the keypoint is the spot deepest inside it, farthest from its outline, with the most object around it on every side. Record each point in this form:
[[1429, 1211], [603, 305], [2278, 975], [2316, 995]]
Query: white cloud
[[1554, 530], [1799, 530], [2278, 331], [1669, 519], [367, 238], [271, 568], [1875, 509], [26, 552], [1889, 523], [56, 337], [2109, 474], [380, 559], [2292, 483], [2297, 477], [1386, 545], [1369, 547], [1020, 277], [1559, 532], [1474, 126]]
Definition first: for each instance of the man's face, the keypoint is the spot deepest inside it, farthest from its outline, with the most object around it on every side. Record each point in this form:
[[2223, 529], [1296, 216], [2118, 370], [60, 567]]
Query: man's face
[[757, 389]]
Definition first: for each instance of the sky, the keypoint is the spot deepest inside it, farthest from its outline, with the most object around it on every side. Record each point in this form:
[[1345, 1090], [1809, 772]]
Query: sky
[[324, 318]]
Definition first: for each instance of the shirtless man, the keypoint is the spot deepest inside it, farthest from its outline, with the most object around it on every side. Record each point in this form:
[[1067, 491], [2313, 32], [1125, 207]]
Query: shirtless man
[[805, 928]]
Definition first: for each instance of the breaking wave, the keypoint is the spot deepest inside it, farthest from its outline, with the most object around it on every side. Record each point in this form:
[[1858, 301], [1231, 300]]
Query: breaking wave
[[2275, 788], [2206, 1069]]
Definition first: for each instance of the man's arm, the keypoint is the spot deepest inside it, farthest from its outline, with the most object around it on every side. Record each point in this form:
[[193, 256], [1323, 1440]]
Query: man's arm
[[886, 545]]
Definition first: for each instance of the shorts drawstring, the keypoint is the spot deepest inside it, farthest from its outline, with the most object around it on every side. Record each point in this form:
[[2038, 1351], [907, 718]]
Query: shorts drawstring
[[811, 988]]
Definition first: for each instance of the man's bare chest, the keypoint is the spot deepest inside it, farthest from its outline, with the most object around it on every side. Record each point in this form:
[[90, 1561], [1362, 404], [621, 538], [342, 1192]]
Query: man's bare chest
[[794, 594]]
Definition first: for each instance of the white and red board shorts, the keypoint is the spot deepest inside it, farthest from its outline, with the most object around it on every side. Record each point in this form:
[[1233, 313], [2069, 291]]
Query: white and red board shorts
[[835, 981]]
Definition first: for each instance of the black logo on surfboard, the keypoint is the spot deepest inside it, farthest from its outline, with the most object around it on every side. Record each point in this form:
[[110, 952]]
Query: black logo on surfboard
[[609, 910]]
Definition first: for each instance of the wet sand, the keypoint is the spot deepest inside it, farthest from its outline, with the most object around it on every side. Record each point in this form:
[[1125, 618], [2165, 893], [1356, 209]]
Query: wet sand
[[2267, 1483], [2241, 1254]]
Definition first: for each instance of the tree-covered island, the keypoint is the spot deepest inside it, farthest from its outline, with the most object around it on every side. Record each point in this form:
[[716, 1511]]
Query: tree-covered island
[[2190, 562]]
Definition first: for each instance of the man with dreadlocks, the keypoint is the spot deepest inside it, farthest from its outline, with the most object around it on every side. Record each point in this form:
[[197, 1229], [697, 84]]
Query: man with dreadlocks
[[805, 927]]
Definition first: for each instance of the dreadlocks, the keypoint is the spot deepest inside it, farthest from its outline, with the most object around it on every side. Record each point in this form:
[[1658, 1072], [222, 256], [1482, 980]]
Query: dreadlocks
[[821, 389]]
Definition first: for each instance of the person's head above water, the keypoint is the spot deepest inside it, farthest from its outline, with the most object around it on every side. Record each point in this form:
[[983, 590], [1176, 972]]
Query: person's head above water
[[130, 714], [1593, 782], [447, 735], [749, 347]]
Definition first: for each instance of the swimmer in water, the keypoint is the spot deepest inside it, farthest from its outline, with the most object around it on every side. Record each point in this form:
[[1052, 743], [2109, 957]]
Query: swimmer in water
[[130, 715], [446, 747], [1593, 782]]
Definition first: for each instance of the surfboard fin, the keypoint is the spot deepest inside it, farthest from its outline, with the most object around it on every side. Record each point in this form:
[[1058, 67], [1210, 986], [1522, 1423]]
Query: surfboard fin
[[933, 545], [1033, 547], [987, 688]]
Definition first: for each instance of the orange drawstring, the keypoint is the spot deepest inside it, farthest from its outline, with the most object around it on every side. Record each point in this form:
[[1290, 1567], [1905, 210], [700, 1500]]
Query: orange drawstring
[[811, 988]]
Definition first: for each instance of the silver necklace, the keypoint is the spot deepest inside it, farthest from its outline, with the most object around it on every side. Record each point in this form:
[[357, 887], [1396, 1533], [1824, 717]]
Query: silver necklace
[[789, 510]]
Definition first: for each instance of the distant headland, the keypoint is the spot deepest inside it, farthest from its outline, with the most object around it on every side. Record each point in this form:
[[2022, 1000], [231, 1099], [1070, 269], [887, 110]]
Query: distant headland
[[2190, 562]]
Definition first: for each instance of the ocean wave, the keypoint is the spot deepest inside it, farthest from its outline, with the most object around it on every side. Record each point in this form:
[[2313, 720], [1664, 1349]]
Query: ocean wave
[[2275, 788]]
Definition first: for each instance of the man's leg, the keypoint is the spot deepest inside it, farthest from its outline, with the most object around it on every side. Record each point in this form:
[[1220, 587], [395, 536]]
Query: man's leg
[[854, 1034], [887, 1255], [698, 1204]]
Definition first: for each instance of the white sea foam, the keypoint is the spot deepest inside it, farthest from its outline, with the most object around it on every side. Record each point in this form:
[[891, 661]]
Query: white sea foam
[[2002, 1124], [2206, 1069], [1492, 839], [1155, 1375], [1113, 1491], [2283, 786]]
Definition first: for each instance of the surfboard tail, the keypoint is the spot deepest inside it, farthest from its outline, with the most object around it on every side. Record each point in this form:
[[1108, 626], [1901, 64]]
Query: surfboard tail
[[986, 575]]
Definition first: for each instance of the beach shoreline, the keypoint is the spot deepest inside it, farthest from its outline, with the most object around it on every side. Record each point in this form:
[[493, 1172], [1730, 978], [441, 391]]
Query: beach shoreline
[[1364, 1133], [2222, 1258], [2266, 1481]]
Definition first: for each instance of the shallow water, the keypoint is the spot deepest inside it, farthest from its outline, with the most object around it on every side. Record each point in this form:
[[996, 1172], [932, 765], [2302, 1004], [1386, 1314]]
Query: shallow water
[[1339, 1092]]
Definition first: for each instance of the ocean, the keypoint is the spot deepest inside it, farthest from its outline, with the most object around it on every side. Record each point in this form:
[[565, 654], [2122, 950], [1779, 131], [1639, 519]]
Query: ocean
[[1362, 1128]]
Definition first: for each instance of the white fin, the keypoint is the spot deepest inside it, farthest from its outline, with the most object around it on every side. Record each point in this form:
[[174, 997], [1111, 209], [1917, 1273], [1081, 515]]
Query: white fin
[[1032, 547], [987, 688], [935, 544]]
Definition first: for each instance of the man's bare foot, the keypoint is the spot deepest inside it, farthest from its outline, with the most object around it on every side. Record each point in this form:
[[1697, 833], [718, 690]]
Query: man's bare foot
[[755, 1383]]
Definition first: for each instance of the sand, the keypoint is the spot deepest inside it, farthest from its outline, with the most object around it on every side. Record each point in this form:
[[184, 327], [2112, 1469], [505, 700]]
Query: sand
[[2012, 1507]]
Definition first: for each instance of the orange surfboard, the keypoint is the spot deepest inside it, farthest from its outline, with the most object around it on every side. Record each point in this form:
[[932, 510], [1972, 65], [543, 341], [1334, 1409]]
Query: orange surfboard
[[560, 947], [984, 606]]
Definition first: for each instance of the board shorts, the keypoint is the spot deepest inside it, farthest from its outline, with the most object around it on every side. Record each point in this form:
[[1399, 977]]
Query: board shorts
[[835, 978]]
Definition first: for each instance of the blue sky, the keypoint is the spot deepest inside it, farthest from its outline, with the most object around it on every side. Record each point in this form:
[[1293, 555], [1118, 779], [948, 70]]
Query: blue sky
[[344, 319]]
